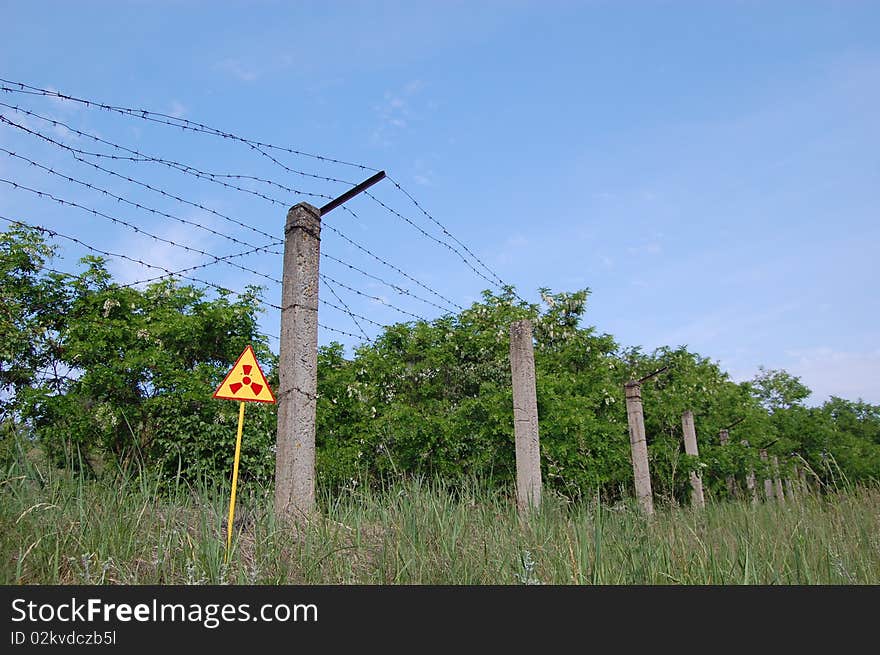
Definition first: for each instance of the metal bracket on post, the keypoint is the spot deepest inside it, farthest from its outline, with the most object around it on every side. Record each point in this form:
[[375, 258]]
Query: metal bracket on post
[[351, 193], [735, 423], [651, 375]]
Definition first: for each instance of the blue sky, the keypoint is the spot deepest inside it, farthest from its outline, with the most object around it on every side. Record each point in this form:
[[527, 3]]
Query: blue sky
[[710, 170]]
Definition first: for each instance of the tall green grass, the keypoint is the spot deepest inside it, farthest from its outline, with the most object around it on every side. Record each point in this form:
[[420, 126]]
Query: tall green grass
[[60, 528]]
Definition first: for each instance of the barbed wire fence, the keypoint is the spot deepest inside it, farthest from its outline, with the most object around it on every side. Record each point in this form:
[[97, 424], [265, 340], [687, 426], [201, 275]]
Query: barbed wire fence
[[111, 188], [114, 190]]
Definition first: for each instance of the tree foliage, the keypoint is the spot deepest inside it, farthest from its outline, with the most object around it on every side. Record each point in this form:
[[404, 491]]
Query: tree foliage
[[108, 375], [104, 375]]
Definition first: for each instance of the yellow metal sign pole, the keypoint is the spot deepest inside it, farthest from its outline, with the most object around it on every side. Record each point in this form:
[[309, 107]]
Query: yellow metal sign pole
[[234, 480]]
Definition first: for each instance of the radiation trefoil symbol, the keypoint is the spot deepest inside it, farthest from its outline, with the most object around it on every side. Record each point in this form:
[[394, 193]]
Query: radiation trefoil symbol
[[245, 382]]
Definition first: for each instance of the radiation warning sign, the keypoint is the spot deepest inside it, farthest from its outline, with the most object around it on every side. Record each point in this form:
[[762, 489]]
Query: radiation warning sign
[[245, 382]]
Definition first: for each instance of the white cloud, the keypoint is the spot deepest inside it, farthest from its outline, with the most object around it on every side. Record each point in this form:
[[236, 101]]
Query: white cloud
[[238, 70], [850, 375], [9, 135], [510, 250], [726, 325], [423, 175], [42, 126], [64, 133], [63, 103], [178, 110], [395, 112], [164, 256], [827, 372], [646, 248]]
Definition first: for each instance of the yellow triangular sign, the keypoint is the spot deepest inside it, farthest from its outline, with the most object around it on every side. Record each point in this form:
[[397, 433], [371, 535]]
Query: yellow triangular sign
[[245, 381]]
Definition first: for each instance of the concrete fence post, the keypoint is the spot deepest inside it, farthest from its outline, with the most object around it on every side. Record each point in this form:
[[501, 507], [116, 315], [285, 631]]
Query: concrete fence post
[[751, 482], [732, 489], [298, 365], [525, 417], [780, 494], [639, 446], [690, 447], [768, 483], [802, 479]]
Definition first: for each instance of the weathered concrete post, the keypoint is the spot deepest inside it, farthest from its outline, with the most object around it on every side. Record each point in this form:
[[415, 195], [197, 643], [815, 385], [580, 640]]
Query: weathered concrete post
[[732, 489], [525, 417], [780, 495], [639, 446], [768, 483], [690, 447], [802, 479], [298, 365], [751, 483]]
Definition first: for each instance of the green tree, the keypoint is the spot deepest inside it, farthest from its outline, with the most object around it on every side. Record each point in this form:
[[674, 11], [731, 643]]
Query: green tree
[[33, 304], [853, 440], [689, 381], [101, 374], [779, 390], [435, 399], [136, 367]]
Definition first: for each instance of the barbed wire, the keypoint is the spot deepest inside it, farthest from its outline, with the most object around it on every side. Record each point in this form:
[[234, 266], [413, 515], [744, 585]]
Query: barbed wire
[[167, 273], [350, 313], [152, 210], [386, 263], [179, 122], [430, 236], [347, 308], [135, 228], [186, 168], [75, 152], [446, 231], [265, 197], [181, 271], [497, 281], [327, 278], [391, 285], [254, 178], [338, 331], [54, 374], [81, 276], [136, 156], [105, 253]]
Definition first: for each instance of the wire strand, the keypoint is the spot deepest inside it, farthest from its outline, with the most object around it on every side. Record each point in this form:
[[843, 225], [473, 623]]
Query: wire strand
[[431, 237], [446, 231], [347, 309], [173, 121], [136, 156], [381, 301], [390, 285], [156, 212], [386, 263], [136, 229], [105, 253]]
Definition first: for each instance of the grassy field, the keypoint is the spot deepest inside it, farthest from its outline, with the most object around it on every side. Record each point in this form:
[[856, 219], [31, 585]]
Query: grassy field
[[56, 528]]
